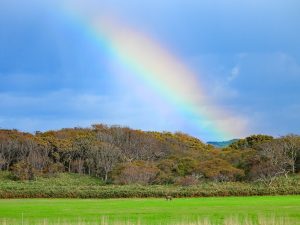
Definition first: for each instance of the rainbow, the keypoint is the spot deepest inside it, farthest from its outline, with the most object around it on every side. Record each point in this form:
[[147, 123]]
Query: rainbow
[[157, 69]]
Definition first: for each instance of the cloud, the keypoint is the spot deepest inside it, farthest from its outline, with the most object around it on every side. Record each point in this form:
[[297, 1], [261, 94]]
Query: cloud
[[59, 101], [235, 72], [57, 78], [68, 108]]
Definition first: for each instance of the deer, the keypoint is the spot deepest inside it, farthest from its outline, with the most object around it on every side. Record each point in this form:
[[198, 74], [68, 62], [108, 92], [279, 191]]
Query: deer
[[168, 197]]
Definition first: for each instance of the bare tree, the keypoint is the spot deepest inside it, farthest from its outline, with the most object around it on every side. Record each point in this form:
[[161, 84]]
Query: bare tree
[[273, 160], [2, 161], [37, 155], [8, 149], [106, 155], [291, 145]]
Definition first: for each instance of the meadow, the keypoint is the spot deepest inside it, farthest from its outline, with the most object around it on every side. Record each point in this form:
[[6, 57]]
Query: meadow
[[261, 210], [68, 185]]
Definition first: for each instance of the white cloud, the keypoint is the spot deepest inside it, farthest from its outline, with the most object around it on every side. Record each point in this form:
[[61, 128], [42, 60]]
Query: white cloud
[[235, 72]]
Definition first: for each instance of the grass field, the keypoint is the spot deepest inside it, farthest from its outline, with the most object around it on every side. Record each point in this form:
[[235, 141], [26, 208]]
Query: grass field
[[254, 210]]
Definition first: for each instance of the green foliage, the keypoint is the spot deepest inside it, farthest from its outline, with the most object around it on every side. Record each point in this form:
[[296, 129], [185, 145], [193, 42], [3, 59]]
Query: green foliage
[[186, 166], [219, 170], [251, 141]]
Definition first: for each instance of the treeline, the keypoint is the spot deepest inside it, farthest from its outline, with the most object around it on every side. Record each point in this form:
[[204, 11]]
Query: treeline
[[122, 155]]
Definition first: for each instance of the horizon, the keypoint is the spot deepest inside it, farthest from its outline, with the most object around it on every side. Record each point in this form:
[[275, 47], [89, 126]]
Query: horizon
[[216, 70], [137, 129]]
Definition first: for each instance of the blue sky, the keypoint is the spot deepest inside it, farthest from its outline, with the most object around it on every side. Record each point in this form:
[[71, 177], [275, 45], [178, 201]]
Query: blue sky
[[52, 74]]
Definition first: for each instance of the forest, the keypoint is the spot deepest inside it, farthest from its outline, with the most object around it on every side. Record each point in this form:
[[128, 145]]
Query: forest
[[120, 155]]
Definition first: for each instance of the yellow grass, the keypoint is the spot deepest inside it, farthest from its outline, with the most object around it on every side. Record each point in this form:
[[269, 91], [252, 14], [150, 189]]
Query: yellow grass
[[273, 220]]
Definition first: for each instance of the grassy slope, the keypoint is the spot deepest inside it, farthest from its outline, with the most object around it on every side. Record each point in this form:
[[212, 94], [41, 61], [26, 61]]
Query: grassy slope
[[63, 179], [151, 211], [80, 186]]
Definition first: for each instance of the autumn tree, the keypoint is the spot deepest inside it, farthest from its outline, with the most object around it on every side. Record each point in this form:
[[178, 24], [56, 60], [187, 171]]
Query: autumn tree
[[219, 170], [251, 141], [240, 159], [138, 172]]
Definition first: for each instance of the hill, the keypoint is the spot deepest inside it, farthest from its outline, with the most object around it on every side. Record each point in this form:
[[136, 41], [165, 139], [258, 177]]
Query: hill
[[124, 156], [222, 144]]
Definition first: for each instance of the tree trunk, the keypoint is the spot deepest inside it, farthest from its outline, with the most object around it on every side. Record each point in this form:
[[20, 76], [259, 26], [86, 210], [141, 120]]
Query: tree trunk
[[106, 175], [69, 168], [293, 168]]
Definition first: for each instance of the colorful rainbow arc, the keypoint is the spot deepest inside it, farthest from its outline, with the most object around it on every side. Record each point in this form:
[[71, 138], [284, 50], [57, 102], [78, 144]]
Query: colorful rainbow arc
[[161, 71]]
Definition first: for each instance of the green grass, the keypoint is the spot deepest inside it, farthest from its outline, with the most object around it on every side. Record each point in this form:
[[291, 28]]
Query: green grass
[[151, 210], [140, 210], [62, 179]]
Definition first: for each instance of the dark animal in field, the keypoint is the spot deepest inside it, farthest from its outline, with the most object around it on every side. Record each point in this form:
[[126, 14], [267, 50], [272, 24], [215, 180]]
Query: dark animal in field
[[168, 197]]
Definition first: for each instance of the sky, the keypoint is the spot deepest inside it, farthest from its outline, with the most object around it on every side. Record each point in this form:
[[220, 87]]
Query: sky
[[217, 69]]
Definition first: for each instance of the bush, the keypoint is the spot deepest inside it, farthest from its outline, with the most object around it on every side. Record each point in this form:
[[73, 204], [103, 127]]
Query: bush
[[53, 169], [187, 181], [24, 171], [136, 173], [220, 170], [81, 186]]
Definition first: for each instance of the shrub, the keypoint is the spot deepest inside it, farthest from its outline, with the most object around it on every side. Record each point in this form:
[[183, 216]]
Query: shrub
[[24, 171], [220, 170], [53, 169], [80, 186], [187, 181], [137, 173]]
